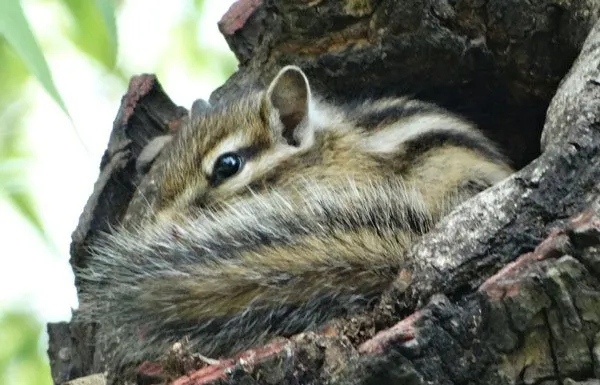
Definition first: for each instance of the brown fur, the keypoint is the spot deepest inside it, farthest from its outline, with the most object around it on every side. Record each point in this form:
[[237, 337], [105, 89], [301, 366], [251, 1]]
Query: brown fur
[[315, 224]]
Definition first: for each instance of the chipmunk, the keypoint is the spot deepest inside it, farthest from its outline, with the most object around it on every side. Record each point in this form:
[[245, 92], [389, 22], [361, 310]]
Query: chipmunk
[[278, 212]]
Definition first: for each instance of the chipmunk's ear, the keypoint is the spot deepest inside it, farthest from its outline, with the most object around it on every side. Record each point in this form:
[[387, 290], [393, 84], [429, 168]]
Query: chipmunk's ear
[[287, 101]]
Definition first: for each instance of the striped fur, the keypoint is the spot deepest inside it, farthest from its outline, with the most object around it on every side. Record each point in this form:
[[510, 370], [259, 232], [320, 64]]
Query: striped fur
[[315, 225]]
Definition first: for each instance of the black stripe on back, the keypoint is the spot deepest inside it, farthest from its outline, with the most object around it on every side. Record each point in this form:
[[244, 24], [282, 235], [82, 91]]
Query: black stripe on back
[[439, 138], [376, 117]]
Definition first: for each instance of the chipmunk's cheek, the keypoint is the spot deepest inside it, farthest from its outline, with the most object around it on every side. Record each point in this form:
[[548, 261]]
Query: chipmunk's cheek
[[200, 201]]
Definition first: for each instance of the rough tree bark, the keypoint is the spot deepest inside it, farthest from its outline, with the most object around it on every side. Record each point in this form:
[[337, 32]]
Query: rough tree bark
[[506, 290]]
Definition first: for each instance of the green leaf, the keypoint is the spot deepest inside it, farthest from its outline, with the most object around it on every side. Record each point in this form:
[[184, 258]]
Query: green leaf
[[15, 192], [23, 203], [22, 361], [107, 10], [14, 75], [94, 29], [15, 29], [15, 159]]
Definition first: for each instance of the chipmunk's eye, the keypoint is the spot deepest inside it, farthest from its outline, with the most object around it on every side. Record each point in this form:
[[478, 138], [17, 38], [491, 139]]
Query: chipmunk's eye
[[226, 165]]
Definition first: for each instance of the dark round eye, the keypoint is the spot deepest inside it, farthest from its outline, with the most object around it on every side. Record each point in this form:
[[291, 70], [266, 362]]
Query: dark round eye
[[226, 165]]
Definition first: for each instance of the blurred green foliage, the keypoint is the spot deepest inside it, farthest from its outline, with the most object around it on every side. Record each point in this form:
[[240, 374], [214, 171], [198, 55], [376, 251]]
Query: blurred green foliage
[[22, 359], [15, 28], [91, 27], [217, 63], [97, 16], [20, 56]]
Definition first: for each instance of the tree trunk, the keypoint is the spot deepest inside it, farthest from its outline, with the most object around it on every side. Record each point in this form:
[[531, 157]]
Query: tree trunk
[[506, 289]]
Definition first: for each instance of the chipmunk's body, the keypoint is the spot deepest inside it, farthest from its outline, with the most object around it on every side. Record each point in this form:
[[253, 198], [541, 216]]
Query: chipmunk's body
[[279, 212]]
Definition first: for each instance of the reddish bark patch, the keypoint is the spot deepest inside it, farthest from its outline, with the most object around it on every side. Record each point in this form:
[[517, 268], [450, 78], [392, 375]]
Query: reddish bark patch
[[237, 15]]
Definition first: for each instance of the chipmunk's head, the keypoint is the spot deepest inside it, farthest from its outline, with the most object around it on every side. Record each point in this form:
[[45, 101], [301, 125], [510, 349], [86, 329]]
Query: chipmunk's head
[[230, 147]]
